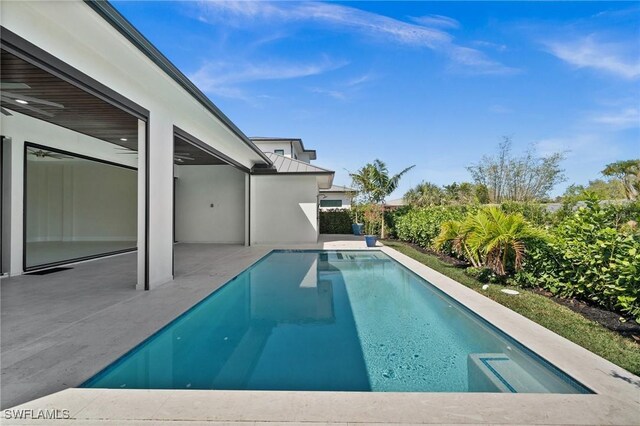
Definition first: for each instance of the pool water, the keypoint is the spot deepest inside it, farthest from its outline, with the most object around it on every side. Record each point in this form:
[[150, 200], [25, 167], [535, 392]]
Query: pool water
[[332, 321]]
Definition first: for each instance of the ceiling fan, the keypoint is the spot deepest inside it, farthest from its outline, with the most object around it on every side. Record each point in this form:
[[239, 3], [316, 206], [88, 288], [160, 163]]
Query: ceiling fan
[[23, 101], [41, 153], [178, 156]]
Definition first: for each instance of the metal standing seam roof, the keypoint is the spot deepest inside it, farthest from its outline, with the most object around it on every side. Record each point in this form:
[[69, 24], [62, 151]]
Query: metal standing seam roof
[[284, 164], [338, 188]]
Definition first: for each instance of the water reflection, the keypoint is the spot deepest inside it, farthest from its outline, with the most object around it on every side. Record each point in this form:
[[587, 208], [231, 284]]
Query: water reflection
[[283, 325]]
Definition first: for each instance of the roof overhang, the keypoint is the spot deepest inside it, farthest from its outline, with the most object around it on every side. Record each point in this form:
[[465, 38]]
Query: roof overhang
[[124, 27]]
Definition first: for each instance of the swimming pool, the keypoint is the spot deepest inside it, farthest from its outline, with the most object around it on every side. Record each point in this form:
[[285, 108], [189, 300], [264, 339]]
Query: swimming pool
[[332, 321]]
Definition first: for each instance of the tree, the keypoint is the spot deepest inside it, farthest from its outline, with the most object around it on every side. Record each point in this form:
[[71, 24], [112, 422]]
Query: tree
[[424, 194], [628, 172], [612, 189], [374, 183], [464, 193], [523, 178]]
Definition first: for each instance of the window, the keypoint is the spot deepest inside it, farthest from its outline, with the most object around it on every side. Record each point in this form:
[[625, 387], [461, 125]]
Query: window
[[278, 151], [330, 203]]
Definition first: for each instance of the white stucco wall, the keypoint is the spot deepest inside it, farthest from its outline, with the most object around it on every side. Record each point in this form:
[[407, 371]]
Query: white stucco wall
[[273, 146], [346, 199], [6, 205], [284, 209], [303, 156], [198, 187]]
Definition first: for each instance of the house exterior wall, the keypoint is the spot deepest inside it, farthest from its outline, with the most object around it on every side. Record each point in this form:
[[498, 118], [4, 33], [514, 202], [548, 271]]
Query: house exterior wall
[[345, 198], [269, 146], [197, 187], [290, 149], [284, 209], [303, 156], [72, 32]]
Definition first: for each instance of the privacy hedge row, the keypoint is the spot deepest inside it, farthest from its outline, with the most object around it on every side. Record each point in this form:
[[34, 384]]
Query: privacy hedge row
[[591, 254], [421, 226], [336, 221]]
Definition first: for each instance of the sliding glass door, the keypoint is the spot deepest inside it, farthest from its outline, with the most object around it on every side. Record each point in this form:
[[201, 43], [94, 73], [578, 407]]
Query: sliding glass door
[[76, 207]]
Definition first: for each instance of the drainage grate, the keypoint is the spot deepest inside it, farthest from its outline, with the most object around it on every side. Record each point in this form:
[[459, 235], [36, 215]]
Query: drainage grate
[[48, 271]]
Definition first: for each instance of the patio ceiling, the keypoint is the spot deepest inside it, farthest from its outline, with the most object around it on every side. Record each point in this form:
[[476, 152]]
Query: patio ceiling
[[58, 102], [187, 154]]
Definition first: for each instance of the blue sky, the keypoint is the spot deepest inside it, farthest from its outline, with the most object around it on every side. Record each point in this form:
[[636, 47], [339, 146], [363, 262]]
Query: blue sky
[[431, 84]]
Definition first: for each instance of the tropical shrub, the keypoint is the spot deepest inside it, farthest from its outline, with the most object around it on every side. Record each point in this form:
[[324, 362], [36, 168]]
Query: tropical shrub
[[535, 213], [336, 221], [391, 217], [373, 216], [484, 275], [490, 238], [594, 255], [421, 226]]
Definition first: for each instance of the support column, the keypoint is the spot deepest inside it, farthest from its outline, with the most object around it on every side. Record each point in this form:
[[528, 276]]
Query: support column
[[17, 204], [247, 209], [142, 206], [5, 169], [160, 215]]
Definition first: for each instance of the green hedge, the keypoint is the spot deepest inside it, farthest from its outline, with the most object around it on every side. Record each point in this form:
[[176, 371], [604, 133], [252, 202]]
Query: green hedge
[[420, 226], [336, 221], [594, 255]]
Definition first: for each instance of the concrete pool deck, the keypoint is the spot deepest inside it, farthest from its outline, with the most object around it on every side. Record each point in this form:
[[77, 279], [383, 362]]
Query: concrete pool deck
[[65, 357]]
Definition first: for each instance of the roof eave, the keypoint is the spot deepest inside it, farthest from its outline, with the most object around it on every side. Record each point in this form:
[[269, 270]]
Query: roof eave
[[124, 27]]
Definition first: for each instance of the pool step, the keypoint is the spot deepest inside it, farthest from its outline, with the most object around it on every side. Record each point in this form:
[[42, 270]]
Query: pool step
[[496, 372]]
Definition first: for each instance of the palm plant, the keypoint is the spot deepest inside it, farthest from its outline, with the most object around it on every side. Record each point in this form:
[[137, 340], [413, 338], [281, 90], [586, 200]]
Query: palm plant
[[490, 238], [455, 233], [424, 194], [374, 183]]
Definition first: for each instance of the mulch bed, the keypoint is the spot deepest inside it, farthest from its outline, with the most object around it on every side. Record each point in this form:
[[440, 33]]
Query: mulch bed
[[453, 261], [611, 320], [626, 327]]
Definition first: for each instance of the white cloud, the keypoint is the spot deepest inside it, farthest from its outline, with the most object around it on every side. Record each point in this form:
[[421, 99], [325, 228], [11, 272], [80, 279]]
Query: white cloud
[[336, 94], [477, 62], [616, 58], [357, 81], [624, 119], [585, 147], [366, 22], [224, 78], [500, 109], [369, 24], [495, 46], [345, 90], [438, 21]]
